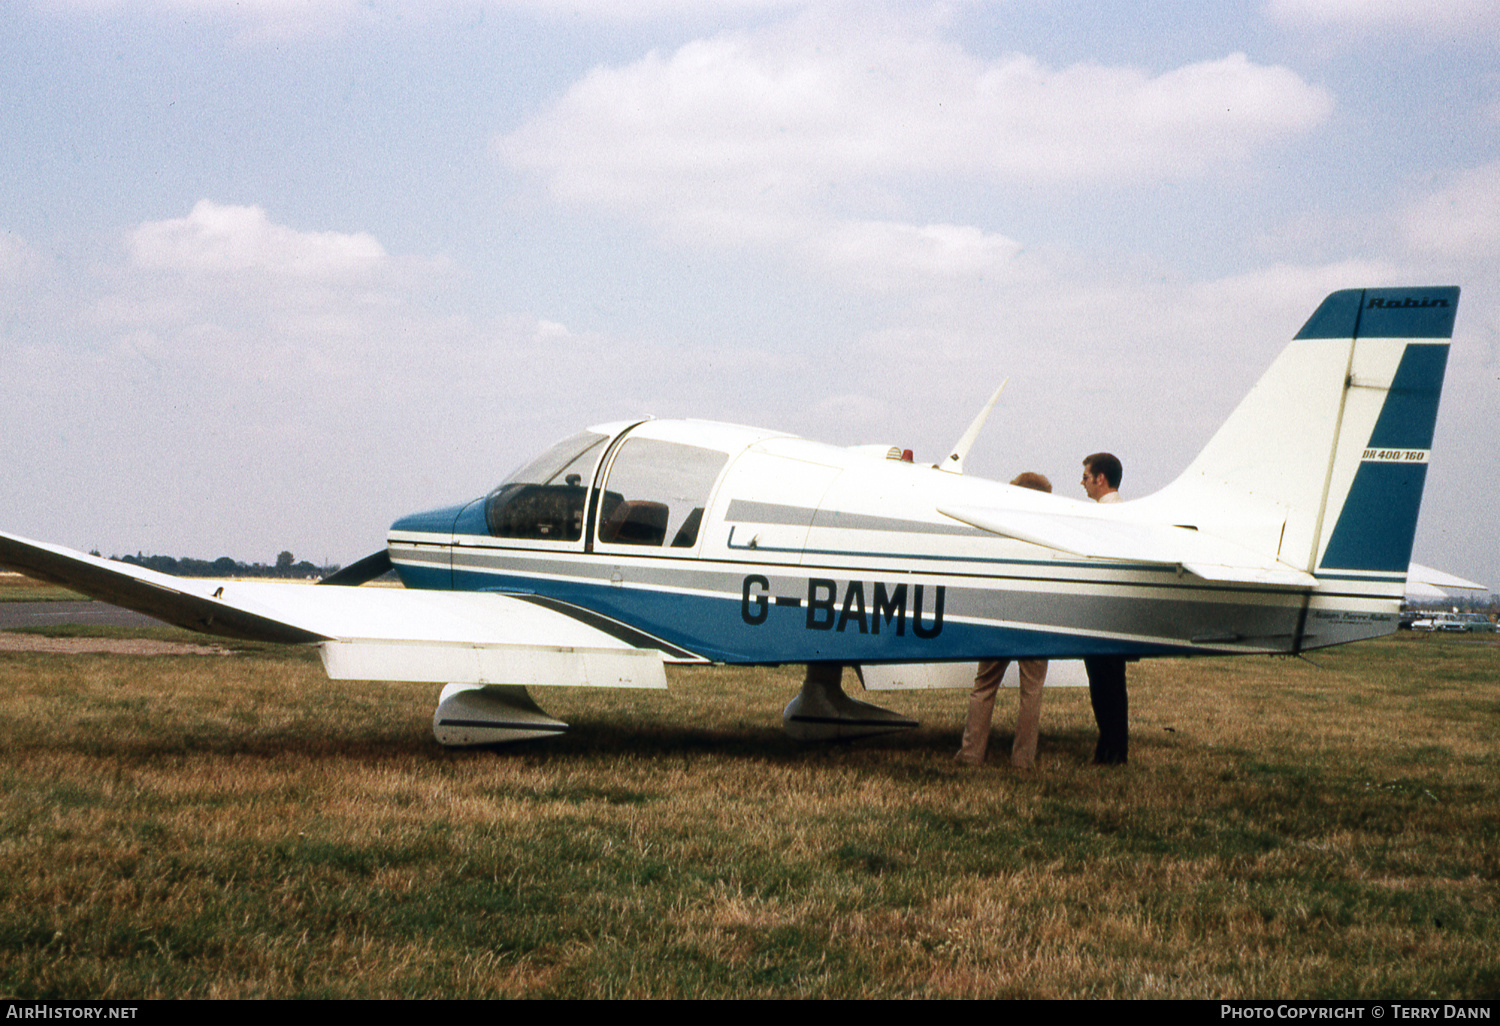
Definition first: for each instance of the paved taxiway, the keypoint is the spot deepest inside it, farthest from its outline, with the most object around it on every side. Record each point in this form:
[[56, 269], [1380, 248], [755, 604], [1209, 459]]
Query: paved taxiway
[[45, 614]]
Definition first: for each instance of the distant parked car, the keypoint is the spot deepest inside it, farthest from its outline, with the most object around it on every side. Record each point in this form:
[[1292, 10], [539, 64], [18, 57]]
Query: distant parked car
[[1454, 623], [1469, 623]]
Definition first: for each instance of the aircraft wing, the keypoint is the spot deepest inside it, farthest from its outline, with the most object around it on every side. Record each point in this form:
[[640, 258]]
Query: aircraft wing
[[1206, 556], [372, 633]]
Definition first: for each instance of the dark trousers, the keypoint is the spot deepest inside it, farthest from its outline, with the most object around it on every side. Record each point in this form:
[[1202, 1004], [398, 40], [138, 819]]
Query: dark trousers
[[1111, 707]]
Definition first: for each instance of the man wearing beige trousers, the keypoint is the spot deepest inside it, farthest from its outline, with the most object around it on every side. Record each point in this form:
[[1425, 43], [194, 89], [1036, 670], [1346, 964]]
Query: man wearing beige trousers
[[987, 683]]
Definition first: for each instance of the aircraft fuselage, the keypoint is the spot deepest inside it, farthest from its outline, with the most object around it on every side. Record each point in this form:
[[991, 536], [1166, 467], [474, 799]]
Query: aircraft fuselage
[[784, 550]]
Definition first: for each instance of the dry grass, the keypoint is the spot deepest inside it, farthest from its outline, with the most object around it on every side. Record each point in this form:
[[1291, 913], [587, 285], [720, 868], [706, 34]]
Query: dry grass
[[19, 588], [235, 827]]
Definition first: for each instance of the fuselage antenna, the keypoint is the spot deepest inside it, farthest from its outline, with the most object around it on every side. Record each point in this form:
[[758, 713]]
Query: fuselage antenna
[[954, 462]]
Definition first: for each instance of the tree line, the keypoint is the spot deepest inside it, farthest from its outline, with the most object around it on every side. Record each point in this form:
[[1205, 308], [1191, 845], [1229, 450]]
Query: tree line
[[286, 566]]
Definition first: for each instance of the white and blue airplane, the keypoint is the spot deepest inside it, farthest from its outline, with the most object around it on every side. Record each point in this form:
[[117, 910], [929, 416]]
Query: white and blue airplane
[[640, 543]]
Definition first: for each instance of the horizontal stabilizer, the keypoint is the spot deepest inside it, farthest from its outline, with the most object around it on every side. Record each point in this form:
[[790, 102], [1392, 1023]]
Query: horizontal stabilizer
[[1206, 556], [1416, 573]]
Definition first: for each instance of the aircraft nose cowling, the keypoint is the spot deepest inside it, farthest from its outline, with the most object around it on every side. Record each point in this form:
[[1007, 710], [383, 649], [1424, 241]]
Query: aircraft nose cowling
[[433, 521]]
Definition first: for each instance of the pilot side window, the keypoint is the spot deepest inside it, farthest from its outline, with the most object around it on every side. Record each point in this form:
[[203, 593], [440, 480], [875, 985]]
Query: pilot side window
[[545, 500], [656, 493]]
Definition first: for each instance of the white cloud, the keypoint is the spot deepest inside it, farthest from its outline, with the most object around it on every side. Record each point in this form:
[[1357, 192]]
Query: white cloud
[[813, 133], [216, 239], [1461, 220], [550, 333], [224, 297], [764, 120], [888, 255]]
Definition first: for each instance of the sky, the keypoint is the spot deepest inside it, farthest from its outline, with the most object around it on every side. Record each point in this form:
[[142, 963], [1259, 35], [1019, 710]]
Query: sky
[[274, 273]]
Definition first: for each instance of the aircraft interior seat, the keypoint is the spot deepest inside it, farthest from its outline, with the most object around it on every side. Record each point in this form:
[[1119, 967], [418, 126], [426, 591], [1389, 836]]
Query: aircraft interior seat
[[687, 535], [636, 522]]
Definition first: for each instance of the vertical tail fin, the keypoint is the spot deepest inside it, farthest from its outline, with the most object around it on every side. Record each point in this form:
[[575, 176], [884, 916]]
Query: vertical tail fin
[[1377, 479], [1324, 461]]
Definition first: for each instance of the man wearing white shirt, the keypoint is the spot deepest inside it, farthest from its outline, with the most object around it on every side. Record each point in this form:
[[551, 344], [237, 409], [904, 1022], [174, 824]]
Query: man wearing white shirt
[[1101, 481]]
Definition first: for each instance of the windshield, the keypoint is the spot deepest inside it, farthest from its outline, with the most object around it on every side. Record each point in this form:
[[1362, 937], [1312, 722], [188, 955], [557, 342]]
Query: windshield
[[545, 500], [574, 455]]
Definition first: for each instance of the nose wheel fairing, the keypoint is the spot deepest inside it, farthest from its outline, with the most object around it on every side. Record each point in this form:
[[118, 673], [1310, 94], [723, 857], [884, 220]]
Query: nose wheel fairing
[[485, 714]]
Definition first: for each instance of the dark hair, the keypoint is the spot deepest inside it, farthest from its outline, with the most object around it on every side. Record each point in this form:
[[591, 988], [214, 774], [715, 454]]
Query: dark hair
[[1106, 464], [1033, 480]]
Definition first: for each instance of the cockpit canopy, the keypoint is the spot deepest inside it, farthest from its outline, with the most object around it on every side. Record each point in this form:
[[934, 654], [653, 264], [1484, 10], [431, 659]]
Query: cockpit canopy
[[656, 490]]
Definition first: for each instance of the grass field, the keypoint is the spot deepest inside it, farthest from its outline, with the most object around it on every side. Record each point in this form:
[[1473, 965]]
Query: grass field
[[16, 588], [235, 826]]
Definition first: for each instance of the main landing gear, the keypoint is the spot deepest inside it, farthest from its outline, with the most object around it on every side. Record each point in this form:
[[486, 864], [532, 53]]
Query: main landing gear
[[469, 715], [487, 714], [822, 712]]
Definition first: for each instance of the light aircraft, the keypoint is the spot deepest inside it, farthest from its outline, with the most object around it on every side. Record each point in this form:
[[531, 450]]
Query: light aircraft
[[639, 543]]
